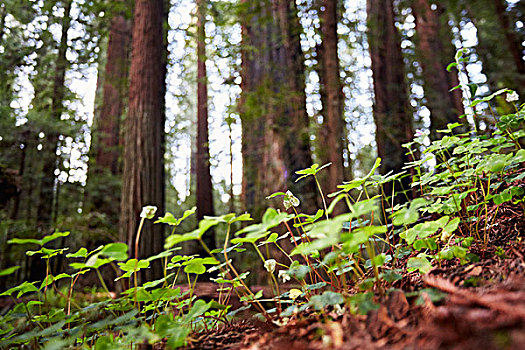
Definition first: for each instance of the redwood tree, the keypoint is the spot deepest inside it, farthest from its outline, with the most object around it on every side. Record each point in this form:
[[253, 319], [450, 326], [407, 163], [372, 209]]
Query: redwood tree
[[103, 190], [435, 52], [273, 105], [204, 184], [143, 178], [391, 109], [332, 131]]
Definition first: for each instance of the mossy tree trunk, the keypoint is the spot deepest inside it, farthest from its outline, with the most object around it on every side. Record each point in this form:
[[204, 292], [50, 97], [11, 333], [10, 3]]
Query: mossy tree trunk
[[273, 105]]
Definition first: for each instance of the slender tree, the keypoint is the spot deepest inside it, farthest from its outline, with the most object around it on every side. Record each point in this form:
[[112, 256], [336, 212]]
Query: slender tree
[[391, 109], [49, 150], [435, 51], [143, 179], [332, 132], [204, 184]]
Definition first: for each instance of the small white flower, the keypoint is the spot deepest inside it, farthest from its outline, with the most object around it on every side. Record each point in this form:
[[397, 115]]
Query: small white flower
[[148, 212], [290, 200], [269, 265], [512, 96], [282, 322], [283, 276], [339, 310], [419, 133]]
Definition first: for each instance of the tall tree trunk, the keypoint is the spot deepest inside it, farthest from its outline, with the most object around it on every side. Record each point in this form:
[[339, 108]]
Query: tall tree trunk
[[253, 105], [106, 136], [332, 133], [273, 106], [204, 184], [434, 49], [143, 179], [391, 114]]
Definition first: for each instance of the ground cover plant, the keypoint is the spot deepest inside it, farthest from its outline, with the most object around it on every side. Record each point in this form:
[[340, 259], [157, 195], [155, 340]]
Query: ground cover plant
[[444, 269]]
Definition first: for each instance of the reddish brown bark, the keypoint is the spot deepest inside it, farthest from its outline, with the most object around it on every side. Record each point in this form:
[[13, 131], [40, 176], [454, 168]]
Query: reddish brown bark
[[114, 95], [332, 132], [273, 106], [143, 179], [391, 114], [103, 191], [435, 51], [204, 184]]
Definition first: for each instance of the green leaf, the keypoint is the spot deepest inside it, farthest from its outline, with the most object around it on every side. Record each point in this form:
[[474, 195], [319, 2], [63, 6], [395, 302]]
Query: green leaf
[[116, 251], [81, 253], [9, 270], [54, 236], [25, 241], [419, 263], [379, 260], [451, 65], [195, 268], [133, 265], [364, 302], [169, 219], [25, 287], [324, 234], [275, 195], [242, 217], [198, 308], [327, 298], [364, 207], [407, 216], [428, 243]]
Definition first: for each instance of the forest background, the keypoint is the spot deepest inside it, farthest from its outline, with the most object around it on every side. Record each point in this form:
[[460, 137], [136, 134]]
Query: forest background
[[108, 106]]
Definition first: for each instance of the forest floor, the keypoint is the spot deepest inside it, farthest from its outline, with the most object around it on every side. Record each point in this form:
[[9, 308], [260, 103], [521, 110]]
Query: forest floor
[[482, 307]]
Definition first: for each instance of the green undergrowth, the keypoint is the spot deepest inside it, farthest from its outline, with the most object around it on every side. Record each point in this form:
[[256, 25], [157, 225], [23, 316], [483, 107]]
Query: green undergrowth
[[343, 263]]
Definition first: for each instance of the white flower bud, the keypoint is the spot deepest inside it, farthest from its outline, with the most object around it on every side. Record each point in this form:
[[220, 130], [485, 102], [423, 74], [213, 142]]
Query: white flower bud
[[512, 96], [148, 212], [283, 276], [269, 265]]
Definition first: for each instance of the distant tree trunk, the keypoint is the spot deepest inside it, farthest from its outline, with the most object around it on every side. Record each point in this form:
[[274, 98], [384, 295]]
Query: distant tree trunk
[[434, 48], [143, 179], [391, 114], [332, 133], [273, 106], [204, 184], [49, 149], [500, 58], [106, 136], [513, 43], [3, 14]]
